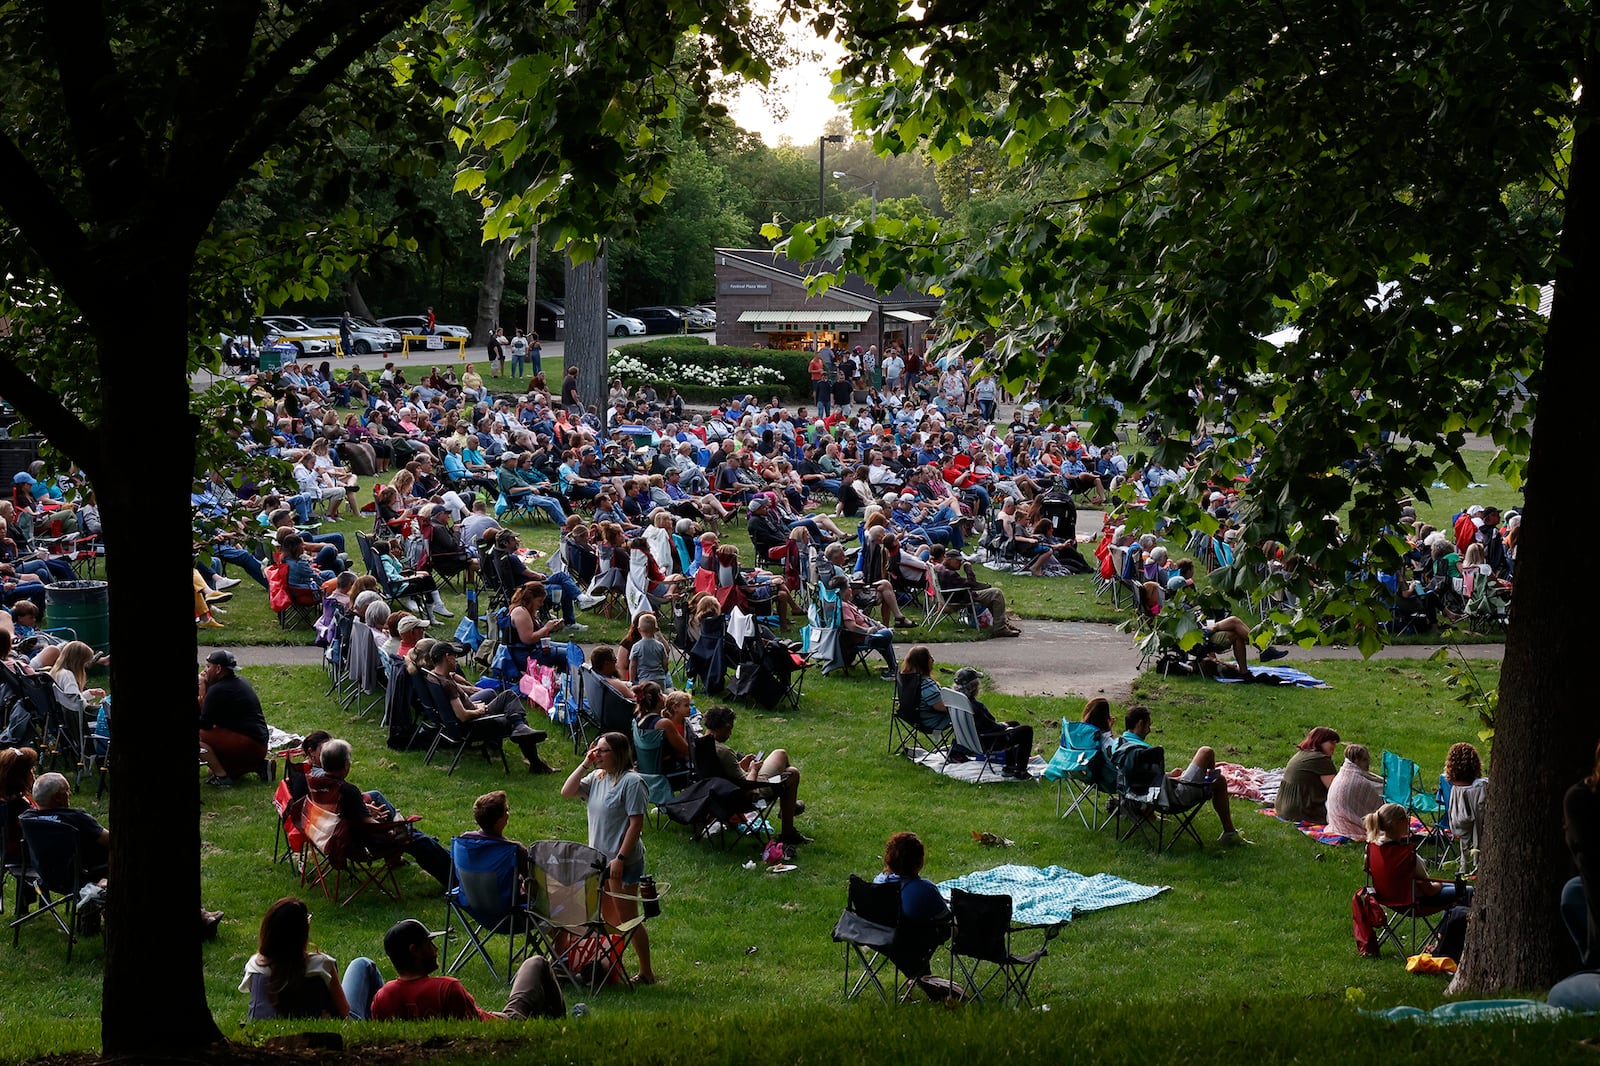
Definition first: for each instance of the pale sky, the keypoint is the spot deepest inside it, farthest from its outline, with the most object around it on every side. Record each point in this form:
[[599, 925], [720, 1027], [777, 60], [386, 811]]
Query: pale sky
[[803, 89]]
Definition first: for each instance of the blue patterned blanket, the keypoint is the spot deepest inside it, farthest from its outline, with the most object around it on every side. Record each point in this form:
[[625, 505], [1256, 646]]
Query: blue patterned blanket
[[1283, 675], [1054, 894]]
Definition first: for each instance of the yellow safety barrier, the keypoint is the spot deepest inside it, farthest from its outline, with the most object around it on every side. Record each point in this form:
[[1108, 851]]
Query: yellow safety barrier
[[432, 342]]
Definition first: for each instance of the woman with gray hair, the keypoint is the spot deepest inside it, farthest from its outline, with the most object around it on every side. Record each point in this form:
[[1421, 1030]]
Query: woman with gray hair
[[1013, 738]]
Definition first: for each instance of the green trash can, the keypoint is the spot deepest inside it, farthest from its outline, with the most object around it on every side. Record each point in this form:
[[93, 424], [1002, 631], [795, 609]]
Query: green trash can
[[273, 356], [83, 607]]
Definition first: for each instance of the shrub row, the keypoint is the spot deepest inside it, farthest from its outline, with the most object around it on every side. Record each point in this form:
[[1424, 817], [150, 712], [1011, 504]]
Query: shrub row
[[711, 372]]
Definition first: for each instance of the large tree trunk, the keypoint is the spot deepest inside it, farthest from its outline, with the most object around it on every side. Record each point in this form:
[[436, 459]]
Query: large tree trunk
[[356, 302], [586, 328], [154, 899], [1544, 735], [491, 289]]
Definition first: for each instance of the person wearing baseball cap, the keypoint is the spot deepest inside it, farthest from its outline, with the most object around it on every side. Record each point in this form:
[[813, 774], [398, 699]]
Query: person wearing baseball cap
[[1013, 738], [233, 730], [416, 994]]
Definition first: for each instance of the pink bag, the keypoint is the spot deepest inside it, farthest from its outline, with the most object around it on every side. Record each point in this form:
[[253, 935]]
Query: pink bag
[[539, 685]]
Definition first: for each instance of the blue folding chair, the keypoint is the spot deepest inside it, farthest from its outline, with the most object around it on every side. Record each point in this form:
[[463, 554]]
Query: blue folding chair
[[486, 899]]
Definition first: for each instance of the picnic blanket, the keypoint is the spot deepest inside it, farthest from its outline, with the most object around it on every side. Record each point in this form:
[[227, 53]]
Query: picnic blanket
[[1472, 1010], [1052, 895], [1281, 675], [968, 771], [1247, 782], [1320, 833]]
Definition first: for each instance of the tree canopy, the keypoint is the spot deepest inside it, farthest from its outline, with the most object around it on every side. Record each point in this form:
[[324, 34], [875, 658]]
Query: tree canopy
[[1189, 176]]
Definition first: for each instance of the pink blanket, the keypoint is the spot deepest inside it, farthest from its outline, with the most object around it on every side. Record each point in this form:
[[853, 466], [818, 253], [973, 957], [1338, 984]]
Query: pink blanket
[[1249, 783]]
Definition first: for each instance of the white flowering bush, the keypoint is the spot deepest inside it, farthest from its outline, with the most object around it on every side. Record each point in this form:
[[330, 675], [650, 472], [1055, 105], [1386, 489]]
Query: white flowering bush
[[685, 372]]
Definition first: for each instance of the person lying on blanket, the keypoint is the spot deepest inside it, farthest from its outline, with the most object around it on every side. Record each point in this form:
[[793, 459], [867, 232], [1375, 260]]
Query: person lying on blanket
[[1136, 726]]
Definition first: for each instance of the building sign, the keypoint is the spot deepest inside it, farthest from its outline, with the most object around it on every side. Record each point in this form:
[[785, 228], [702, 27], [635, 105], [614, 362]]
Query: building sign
[[729, 288]]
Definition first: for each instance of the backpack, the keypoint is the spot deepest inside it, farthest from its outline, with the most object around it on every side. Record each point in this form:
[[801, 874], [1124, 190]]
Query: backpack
[[1366, 915]]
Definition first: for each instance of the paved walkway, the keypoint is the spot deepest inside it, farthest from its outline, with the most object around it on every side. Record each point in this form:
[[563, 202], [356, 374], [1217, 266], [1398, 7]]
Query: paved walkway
[[1050, 659]]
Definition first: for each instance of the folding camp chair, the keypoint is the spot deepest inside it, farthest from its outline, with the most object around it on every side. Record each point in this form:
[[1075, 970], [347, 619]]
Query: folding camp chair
[[365, 683], [15, 867], [569, 708], [605, 709], [609, 583], [1082, 772], [1157, 808], [336, 857], [872, 929], [1391, 882], [905, 722], [648, 747], [769, 672], [486, 899], [301, 609], [54, 870], [488, 733], [982, 934], [287, 840], [944, 603], [1401, 785], [964, 727], [568, 890]]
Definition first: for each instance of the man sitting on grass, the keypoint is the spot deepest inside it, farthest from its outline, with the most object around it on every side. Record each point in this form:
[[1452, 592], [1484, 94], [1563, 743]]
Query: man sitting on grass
[[416, 994], [1181, 785]]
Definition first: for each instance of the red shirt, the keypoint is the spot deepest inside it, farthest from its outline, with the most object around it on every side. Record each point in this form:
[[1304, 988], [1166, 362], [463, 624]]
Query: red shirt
[[409, 999]]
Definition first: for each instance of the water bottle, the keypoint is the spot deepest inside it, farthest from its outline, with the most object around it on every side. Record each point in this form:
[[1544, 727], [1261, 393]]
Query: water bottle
[[647, 892]]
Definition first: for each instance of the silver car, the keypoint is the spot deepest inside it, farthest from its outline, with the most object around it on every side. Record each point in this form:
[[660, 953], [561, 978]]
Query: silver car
[[306, 338], [365, 337]]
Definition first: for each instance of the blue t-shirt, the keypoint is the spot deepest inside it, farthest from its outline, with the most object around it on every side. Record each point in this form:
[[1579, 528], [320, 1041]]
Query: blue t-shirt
[[919, 898]]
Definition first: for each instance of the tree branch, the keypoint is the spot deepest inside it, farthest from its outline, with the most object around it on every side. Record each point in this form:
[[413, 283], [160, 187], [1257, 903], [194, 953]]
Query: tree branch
[[261, 118], [105, 140], [1144, 175], [33, 207], [45, 411]]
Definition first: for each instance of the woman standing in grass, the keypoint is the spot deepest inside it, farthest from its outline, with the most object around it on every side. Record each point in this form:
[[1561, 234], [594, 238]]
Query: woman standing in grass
[[617, 800]]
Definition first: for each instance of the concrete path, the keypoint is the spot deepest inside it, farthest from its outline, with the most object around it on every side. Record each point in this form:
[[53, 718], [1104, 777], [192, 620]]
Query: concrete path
[[1050, 658]]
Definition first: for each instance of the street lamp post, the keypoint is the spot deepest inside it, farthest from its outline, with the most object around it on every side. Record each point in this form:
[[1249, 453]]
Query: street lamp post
[[822, 171], [873, 185]]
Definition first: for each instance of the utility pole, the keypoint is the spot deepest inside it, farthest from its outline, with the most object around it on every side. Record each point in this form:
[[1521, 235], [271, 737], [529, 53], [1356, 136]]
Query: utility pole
[[822, 170]]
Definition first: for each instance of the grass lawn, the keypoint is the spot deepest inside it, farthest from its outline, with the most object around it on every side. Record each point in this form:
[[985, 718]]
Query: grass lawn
[[1256, 941]]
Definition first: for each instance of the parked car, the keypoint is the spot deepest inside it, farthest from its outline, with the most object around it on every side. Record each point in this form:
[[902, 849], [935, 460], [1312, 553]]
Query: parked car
[[621, 325], [697, 318], [306, 338], [365, 337], [415, 324], [659, 319]]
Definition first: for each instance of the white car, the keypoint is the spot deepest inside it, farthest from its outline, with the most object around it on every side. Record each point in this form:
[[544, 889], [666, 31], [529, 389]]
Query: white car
[[365, 337], [415, 324], [621, 325], [306, 338]]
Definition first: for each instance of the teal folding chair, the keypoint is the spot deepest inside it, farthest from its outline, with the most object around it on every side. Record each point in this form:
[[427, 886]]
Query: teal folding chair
[[1081, 772]]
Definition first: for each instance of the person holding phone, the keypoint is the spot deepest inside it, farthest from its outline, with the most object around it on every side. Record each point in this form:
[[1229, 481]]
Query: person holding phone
[[617, 800], [781, 776]]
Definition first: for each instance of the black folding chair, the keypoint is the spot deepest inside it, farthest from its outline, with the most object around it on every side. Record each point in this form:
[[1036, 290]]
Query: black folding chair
[[54, 870], [905, 720], [872, 929], [982, 935]]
